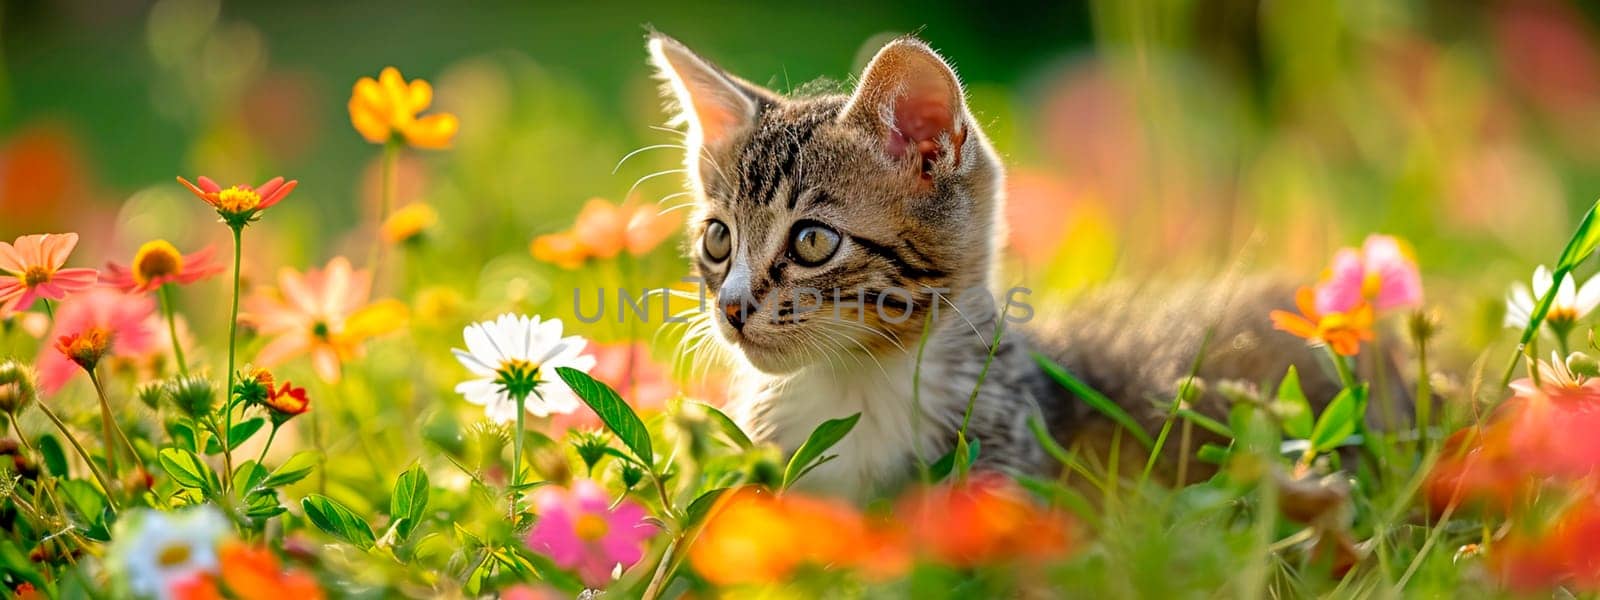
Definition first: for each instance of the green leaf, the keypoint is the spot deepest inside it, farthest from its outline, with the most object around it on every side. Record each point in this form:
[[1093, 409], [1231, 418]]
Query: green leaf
[[292, 470], [1094, 399], [246, 476], [241, 433], [189, 471], [1297, 410], [941, 469], [616, 414], [182, 435], [337, 520], [729, 428], [55, 458], [1212, 453], [1206, 423], [1583, 243], [409, 500], [1338, 420], [701, 507], [822, 438]]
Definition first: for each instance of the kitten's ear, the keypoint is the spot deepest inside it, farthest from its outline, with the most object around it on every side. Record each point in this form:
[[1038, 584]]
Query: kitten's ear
[[714, 104], [912, 98]]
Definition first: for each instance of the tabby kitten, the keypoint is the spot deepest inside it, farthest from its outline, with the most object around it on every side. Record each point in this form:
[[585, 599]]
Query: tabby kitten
[[831, 229]]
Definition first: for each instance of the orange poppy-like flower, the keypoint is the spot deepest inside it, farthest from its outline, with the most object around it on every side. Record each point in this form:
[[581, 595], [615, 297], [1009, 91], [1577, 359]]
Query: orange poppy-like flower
[[85, 347], [287, 401], [323, 312], [604, 230], [158, 263], [755, 536], [1537, 438], [248, 573], [408, 223], [240, 204], [983, 521], [1563, 551], [386, 109], [1342, 331], [30, 268]]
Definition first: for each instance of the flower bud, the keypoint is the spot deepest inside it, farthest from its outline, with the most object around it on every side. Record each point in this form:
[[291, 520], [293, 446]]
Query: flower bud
[[252, 387], [591, 446], [17, 387], [1583, 365], [193, 395], [150, 394], [631, 474]]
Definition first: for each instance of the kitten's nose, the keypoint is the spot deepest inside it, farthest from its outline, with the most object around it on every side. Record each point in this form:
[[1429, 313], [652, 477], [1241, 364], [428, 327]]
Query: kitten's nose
[[733, 310]]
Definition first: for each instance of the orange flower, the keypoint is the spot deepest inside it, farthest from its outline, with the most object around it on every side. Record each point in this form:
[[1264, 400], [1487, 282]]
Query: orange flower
[[385, 110], [85, 347], [604, 230], [321, 312], [1342, 331], [408, 223], [754, 536], [158, 263], [983, 521], [1566, 550], [239, 204], [249, 573], [561, 249], [30, 268], [1537, 438]]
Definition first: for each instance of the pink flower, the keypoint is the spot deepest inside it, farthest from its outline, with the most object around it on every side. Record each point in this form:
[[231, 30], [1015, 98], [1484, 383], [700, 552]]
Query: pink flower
[[323, 312], [647, 389], [1382, 273], [126, 317], [579, 532], [32, 267]]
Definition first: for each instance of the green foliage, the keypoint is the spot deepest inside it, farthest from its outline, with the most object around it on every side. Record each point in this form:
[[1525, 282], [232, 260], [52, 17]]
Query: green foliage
[[616, 414], [338, 520], [810, 454]]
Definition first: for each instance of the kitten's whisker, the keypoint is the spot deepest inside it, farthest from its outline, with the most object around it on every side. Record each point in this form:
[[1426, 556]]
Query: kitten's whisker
[[964, 318], [636, 152], [654, 175]]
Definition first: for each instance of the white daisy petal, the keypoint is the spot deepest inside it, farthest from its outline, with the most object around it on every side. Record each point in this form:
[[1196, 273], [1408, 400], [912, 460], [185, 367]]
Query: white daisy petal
[[1588, 297], [1566, 293], [481, 345], [472, 362], [1541, 281]]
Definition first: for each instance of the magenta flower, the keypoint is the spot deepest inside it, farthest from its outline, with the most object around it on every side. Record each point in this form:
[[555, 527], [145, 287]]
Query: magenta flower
[[579, 531], [1381, 273]]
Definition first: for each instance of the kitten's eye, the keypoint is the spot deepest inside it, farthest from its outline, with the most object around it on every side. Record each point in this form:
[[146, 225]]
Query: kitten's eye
[[814, 244], [717, 242]]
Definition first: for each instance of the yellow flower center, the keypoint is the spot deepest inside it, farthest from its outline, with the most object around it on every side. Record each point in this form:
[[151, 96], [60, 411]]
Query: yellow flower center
[[174, 555], [35, 275], [1333, 322], [1370, 285], [155, 259], [591, 528], [237, 199]]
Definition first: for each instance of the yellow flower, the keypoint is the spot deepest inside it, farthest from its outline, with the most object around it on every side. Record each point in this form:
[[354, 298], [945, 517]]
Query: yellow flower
[[386, 109], [408, 223]]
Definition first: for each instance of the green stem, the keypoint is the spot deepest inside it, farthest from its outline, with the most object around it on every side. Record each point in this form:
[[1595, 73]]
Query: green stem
[[48, 310], [105, 409], [1424, 395], [386, 188], [516, 456], [106, 424], [22, 435], [1346, 378], [272, 435], [172, 328], [84, 454], [233, 342], [994, 347]]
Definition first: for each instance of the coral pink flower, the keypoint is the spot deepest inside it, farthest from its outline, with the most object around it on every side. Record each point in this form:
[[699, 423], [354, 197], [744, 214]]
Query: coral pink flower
[[1382, 273], [323, 312], [158, 263], [241, 203], [126, 317], [579, 531], [649, 391], [32, 270]]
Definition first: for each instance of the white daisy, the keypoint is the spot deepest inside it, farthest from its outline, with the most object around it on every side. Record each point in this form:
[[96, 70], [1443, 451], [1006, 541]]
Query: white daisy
[[517, 354], [1571, 304], [154, 549]]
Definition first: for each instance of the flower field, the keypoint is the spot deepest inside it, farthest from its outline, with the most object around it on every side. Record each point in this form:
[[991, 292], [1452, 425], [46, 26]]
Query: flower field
[[284, 314]]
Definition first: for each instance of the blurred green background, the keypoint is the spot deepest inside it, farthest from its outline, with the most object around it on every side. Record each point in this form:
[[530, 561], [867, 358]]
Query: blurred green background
[[1144, 139]]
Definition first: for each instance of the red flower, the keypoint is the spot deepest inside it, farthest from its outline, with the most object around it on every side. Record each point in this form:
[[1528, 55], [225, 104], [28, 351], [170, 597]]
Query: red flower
[[983, 521], [124, 317], [287, 401], [158, 263], [1565, 551], [1533, 439]]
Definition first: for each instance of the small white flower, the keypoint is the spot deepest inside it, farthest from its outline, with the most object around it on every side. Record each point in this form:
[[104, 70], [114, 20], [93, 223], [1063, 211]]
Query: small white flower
[[1572, 302], [154, 549], [517, 353]]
